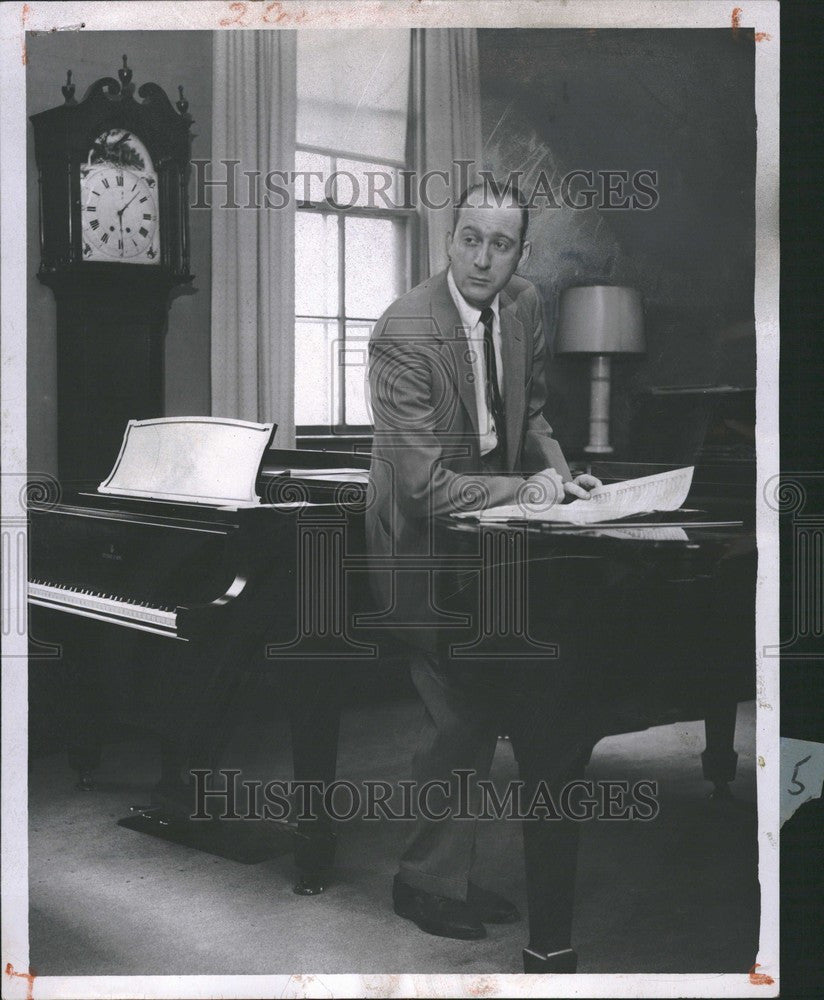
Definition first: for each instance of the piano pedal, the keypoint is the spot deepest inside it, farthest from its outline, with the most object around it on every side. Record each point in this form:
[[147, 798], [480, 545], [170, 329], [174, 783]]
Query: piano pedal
[[85, 782], [154, 813], [247, 844]]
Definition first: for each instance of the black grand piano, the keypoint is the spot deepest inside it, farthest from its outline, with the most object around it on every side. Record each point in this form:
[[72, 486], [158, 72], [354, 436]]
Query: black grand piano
[[183, 603]]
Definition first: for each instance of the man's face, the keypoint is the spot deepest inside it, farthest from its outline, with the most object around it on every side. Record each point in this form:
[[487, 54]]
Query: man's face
[[485, 249]]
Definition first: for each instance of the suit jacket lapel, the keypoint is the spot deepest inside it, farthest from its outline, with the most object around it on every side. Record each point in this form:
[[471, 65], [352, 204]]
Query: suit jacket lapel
[[455, 345], [513, 354]]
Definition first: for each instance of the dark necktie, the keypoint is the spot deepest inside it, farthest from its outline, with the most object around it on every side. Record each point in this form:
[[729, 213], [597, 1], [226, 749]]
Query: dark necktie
[[494, 399]]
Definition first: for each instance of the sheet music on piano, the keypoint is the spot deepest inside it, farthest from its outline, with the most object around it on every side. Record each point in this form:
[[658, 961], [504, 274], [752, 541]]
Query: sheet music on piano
[[202, 460], [664, 491], [342, 475]]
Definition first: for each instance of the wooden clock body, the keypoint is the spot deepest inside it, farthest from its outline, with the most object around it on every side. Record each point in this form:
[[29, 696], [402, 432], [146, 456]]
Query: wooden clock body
[[112, 302]]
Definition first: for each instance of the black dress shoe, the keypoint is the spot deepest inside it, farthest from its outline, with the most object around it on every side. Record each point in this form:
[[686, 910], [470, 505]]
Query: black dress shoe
[[490, 907], [452, 918]]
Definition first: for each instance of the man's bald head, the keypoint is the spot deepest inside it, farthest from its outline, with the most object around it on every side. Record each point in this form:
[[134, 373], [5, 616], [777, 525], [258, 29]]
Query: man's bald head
[[489, 193]]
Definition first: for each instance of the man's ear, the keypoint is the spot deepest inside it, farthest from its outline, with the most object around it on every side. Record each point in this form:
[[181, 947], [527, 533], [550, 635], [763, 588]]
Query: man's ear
[[526, 250], [448, 246]]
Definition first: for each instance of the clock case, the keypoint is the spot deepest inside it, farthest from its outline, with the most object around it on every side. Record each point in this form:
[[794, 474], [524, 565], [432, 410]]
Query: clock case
[[111, 316]]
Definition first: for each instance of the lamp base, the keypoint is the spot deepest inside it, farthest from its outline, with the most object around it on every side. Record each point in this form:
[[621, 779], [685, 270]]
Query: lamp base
[[599, 406]]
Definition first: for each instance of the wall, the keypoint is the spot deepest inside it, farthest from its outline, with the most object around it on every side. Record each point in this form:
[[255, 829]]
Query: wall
[[168, 59], [679, 102]]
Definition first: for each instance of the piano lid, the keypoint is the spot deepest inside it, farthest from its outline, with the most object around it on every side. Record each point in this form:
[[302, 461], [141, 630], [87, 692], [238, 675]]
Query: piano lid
[[202, 460]]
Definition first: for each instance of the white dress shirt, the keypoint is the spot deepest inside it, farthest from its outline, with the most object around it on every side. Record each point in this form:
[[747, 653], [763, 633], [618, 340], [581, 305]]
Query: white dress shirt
[[473, 328]]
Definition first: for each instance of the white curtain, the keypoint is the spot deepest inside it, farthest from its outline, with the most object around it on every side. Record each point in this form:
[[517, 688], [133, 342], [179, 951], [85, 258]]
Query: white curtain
[[253, 249], [446, 93]]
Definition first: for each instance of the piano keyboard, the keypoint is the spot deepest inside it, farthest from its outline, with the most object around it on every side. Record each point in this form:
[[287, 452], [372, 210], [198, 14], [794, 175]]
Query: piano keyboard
[[105, 607]]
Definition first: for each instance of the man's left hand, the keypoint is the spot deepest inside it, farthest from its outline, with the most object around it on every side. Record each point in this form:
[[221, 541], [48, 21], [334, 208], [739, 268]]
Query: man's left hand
[[581, 486]]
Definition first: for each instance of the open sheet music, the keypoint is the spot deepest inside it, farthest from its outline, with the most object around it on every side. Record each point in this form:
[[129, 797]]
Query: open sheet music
[[204, 460], [663, 491]]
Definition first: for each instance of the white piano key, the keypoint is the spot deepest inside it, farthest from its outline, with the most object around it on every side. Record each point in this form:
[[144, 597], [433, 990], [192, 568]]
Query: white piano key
[[122, 612]]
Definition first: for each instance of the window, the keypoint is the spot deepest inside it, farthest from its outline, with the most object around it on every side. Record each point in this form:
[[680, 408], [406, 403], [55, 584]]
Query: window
[[353, 231]]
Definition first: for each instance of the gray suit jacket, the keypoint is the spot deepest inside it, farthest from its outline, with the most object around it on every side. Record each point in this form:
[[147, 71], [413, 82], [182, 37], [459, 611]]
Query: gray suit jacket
[[425, 455]]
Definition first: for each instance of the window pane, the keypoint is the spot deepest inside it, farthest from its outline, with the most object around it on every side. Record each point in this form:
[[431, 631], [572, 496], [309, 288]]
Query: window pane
[[310, 188], [316, 264], [353, 89], [354, 358], [315, 361], [372, 184], [375, 265]]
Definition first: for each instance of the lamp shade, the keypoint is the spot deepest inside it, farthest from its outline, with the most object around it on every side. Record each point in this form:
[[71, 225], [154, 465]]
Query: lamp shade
[[600, 319]]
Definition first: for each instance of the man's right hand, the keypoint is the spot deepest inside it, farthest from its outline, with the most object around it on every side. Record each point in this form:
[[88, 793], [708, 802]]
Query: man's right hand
[[542, 490]]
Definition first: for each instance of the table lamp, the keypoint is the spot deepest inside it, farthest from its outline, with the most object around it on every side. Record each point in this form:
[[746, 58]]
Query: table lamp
[[600, 320]]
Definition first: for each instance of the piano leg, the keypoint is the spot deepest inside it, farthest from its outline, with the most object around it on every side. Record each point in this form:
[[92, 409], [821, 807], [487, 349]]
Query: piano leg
[[172, 794], [85, 710], [719, 759], [314, 715], [549, 757], [84, 759], [551, 857], [199, 718]]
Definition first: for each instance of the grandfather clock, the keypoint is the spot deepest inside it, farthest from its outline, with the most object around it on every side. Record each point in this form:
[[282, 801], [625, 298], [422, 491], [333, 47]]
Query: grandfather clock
[[114, 242]]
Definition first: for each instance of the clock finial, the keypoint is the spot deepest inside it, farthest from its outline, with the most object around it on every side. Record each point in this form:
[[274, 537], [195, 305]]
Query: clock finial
[[125, 75], [68, 89], [182, 105]]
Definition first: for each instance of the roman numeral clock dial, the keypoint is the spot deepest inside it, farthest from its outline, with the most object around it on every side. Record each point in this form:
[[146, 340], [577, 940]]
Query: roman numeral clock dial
[[120, 216]]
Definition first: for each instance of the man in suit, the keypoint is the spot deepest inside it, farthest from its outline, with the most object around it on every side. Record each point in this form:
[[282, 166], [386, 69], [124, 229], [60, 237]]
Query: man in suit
[[456, 369]]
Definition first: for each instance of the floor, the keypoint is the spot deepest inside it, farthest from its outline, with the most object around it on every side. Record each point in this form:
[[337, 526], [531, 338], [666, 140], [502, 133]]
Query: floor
[[676, 894]]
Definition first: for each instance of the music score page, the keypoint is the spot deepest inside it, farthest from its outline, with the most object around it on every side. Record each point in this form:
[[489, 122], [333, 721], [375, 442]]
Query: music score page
[[662, 491]]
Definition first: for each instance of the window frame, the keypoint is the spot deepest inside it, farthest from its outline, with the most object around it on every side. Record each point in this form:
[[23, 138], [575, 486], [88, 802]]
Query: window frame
[[338, 430]]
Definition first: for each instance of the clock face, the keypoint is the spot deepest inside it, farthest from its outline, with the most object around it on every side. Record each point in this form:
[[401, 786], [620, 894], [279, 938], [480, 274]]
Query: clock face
[[119, 212], [119, 203]]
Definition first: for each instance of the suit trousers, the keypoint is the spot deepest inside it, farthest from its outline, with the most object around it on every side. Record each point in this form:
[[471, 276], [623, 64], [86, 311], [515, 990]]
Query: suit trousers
[[458, 731], [464, 712]]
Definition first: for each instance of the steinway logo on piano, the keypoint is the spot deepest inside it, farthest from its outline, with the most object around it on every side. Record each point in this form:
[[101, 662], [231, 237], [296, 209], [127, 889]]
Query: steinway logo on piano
[[110, 553]]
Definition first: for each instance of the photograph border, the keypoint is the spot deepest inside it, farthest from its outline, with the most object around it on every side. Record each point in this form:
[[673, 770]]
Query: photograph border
[[17, 19]]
